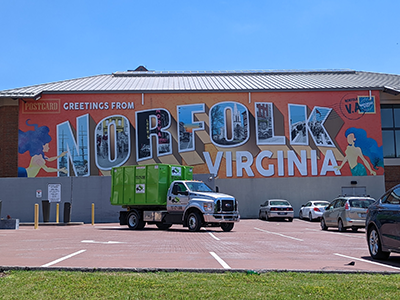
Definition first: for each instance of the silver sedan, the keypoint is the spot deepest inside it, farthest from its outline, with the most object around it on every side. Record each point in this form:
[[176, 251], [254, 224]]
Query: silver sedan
[[276, 208]]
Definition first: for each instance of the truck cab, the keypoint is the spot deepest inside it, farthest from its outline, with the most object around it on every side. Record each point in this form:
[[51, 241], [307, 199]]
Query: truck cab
[[198, 205]]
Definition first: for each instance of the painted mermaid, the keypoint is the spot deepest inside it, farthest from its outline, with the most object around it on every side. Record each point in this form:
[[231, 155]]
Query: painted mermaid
[[359, 145], [37, 143]]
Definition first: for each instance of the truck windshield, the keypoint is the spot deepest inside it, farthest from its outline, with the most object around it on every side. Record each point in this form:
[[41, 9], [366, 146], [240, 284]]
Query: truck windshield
[[198, 186]]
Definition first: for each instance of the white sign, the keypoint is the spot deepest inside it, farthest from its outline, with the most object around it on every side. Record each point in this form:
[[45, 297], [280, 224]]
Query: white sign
[[38, 193], [54, 192], [140, 188]]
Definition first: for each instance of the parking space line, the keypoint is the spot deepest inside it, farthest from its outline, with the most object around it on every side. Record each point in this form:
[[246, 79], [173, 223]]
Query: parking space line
[[286, 236], [367, 261], [62, 258], [95, 242], [210, 233], [341, 233], [219, 259]]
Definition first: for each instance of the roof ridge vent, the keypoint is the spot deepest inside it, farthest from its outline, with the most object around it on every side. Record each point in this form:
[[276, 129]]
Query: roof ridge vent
[[139, 69]]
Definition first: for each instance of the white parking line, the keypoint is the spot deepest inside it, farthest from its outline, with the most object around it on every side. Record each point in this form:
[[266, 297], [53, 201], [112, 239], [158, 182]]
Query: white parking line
[[286, 236], [213, 236], [355, 235], [367, 261], [219, 259], [63, 258], [94, 242]]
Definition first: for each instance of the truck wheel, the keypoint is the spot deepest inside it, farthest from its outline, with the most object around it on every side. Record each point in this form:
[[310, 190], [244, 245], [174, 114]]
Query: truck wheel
[[134, 221], [194, 221], [163, 226], [227, 226]]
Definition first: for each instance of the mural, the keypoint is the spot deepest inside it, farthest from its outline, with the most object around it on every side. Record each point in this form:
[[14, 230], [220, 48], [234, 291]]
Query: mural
[[36, 142], [358, 146], [230, 135]]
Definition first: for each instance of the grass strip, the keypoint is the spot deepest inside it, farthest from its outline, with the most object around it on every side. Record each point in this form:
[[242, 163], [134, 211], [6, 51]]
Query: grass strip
[[17, 284]]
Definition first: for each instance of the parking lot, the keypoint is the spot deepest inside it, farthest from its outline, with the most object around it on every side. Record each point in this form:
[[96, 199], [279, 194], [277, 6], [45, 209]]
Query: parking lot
[[252, 245]]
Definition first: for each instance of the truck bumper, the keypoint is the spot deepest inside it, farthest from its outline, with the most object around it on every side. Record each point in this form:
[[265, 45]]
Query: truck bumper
[[221, 218]]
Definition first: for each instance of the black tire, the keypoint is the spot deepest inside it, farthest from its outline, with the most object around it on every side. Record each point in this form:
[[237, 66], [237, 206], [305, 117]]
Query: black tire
[[227, 226], [266, 216], [134, 221], [323, 224], [260, 215], [341, 228], [194, 221], [310, 217], [163, 226], [374, 245], [354, 229], [301, 215], [290, 219]]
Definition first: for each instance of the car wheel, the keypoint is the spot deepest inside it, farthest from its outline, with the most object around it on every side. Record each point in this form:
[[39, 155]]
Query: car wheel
[[134, 221], [266, 216], [290, 219], [341, 228], [260, 215], [194, 221], [323, 224], [310, 216], [374, 245], [354, 229], [301, 215], [227, 226]]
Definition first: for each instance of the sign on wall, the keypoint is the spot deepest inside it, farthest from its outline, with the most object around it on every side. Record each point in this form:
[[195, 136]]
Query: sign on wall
[[231, 135]]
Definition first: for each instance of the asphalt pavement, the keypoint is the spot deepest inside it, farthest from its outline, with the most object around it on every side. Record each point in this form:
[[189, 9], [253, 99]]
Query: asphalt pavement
[[252, 245]]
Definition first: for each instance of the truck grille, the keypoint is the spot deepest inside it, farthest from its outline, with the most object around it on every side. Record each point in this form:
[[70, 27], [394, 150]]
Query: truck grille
[[226, 205]]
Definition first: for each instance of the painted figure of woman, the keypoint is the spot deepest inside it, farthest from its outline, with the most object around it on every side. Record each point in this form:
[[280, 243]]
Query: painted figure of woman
[[37, 143], [358, 145]]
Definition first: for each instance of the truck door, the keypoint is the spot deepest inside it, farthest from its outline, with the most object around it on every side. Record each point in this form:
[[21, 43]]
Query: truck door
[[179, 198]]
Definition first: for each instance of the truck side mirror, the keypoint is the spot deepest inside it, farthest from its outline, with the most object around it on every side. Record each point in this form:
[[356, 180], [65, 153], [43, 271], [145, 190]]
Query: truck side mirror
[[175, 190]]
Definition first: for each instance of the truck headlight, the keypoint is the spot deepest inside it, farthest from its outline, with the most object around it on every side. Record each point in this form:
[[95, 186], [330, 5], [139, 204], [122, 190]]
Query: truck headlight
[[208, 206]]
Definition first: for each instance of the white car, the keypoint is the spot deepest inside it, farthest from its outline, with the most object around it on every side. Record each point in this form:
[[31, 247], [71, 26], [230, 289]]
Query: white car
[[313, 209], [276, 208]]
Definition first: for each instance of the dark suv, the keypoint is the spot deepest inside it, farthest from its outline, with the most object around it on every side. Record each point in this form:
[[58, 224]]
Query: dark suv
[[383, 225]]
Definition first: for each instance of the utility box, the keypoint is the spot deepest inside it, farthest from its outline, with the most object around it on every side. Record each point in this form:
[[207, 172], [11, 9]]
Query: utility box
[[145, 184]]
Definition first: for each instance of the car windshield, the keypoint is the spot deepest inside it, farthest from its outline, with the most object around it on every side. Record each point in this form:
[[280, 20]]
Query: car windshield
[[361, 203], [279, 202], [321, 203], [198, 186]]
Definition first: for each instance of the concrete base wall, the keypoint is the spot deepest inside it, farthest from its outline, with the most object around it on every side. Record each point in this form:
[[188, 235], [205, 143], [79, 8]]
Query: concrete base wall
[[252, 192], [19, 195]]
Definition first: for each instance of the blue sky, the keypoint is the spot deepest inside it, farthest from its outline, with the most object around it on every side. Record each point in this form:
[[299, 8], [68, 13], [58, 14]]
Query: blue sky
[[47, 41]]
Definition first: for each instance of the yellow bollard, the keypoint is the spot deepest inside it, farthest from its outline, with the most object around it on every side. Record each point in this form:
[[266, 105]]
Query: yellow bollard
[[92, 213], [57, 213], [36, 216]]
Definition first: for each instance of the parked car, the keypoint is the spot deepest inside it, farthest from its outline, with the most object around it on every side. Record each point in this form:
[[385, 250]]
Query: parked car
[[346, 212], [276, 208], [383, 225], [313, 209]]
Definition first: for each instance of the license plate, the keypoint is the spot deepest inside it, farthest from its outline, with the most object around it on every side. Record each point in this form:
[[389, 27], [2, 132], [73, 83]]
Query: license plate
[[281, 213]]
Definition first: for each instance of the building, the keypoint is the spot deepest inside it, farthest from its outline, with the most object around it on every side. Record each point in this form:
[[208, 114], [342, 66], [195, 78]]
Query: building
[[297, 135]]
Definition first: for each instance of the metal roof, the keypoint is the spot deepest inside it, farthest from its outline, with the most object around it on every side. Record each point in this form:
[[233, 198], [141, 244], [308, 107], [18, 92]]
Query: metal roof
[[215, 81]]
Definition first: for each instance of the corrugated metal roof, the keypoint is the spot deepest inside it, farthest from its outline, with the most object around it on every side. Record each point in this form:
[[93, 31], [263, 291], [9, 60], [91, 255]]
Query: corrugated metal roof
[[215, 81]]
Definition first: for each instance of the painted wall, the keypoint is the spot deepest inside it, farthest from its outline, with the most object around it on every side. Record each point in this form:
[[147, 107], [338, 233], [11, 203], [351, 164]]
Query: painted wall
[[230, 135]]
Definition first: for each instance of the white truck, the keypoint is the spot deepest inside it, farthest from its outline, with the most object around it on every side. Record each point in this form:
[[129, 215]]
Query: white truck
[[164, 195]]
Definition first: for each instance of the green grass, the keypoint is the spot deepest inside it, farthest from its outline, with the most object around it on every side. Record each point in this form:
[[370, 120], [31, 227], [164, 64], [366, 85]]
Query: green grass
[[17, 284]]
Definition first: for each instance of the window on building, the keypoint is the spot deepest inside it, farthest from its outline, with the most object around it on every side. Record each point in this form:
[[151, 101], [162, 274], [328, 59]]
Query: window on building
[[390, 115]]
